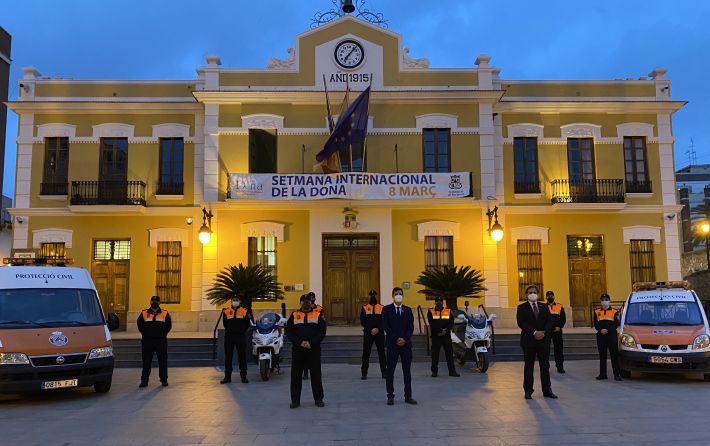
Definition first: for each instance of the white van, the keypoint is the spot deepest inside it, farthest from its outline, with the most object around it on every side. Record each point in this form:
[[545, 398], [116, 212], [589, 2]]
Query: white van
[[53, 333]]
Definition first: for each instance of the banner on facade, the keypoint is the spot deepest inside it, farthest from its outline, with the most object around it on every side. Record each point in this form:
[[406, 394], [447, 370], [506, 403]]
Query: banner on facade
[[350, 186]]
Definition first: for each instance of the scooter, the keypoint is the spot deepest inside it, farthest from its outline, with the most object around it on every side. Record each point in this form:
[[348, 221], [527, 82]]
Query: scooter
[[267, 342], [471, 338]]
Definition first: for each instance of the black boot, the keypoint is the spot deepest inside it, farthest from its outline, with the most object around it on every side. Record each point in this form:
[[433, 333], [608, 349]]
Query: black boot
[[227, 379], [244, 378]]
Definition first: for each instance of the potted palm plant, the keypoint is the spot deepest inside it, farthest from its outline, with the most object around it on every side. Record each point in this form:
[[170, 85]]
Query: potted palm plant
[[451, 283], [249, 282]]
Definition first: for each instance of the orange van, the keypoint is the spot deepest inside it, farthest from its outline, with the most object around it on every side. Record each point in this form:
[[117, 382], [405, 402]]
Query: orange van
[[53, 333], [664, 329]]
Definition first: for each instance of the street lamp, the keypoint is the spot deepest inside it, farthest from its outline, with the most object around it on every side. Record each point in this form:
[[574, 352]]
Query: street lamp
[[495, 229], [705, 229], [206, 229]]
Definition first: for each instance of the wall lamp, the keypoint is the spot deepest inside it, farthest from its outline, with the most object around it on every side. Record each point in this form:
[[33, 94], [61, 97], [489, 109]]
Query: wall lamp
[[494, 228], [206, 229]]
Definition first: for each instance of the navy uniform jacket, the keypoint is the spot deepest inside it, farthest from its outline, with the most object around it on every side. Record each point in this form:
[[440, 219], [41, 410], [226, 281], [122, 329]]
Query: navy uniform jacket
[[398, 326]]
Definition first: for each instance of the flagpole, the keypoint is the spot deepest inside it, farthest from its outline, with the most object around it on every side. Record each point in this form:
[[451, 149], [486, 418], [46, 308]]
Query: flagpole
[[327, 105], [367, 124], [396, 159]]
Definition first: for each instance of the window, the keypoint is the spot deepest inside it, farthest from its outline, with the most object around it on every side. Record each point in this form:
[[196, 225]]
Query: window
[[643, 267], [52, 250], [438, 252], [167, 272], [171, 166], [436, 150], [588, 246], [262, 251], [262, 151], [580, 159], [529, 266], [112, 249], [635, 164], [525, 159], [56, 166]]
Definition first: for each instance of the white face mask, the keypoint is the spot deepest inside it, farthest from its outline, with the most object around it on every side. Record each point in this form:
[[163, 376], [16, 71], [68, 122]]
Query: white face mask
[[398, 298], [532, 297], [235, 304], [605, 304]]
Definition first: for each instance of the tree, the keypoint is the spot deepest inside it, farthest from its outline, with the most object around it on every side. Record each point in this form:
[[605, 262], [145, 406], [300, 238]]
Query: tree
[[248, 282], [451, 283]]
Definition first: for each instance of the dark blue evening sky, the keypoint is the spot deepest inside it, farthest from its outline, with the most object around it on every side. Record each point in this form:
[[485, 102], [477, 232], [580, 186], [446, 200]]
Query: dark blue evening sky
[[555, 39]]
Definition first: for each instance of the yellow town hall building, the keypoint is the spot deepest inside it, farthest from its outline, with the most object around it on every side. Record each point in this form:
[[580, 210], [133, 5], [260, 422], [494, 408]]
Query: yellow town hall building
[[115, 174]]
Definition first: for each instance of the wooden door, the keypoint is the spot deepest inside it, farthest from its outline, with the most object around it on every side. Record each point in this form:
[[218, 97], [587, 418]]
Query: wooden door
[[587, 281], [113, 171], [111, 280], [336, 285], [365, 266]]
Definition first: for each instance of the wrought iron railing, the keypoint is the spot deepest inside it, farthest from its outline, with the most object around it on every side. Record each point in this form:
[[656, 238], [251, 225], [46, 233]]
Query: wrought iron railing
[[527, 187], [169, 189], [588, 191], [108, 192], [638, 187], [53, 188]]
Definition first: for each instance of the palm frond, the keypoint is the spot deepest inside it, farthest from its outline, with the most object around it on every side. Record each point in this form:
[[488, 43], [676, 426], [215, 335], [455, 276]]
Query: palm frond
[[452, 282], [249, 282]]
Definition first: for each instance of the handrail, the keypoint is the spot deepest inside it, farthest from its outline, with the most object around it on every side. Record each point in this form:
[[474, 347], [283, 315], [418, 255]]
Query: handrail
[[493, 330], [420, 316], [214, 335]]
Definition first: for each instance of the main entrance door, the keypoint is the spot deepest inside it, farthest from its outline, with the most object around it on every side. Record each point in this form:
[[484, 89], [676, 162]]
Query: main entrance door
[[351, 268], [110, 271], [587, 275]]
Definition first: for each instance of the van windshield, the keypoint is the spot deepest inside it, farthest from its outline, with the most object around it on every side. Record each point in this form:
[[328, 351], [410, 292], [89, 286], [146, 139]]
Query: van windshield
[[663, 313], [32, 308]]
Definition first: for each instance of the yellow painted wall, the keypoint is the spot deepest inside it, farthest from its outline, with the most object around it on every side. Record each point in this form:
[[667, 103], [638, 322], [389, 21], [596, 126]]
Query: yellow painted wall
[[143, 123], [554, 255], [580, 89], [116, 89]]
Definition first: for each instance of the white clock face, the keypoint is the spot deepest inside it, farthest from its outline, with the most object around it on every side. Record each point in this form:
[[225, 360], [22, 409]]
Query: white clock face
[[349, 54]]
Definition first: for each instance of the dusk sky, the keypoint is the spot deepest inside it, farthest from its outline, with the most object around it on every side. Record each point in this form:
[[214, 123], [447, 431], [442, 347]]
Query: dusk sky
[[555, 39]]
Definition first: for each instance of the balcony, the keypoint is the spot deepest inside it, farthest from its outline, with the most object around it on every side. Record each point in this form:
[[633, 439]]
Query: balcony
[[169, 189], [587, 191], [108, 193], [638, 187], [53, 189], [525, 187]]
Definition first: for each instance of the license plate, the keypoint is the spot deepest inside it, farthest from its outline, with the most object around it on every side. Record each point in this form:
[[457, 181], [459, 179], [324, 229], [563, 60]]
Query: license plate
[[666, 359], [60, 384]]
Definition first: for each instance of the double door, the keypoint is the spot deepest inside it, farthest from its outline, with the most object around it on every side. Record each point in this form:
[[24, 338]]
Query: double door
[[587, 276], [111, 280]]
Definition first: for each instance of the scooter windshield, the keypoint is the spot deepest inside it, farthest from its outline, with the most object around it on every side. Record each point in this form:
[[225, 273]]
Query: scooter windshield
[[266, 323], [477, 321]]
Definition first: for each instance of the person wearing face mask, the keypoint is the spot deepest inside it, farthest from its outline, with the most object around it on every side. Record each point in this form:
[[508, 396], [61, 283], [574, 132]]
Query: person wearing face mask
[[557, 313], [154, 324], [237, 321], [606, 321], [306, 330], [318, 309], [371, 321], [535, 327], [440, 323], [398, 325]]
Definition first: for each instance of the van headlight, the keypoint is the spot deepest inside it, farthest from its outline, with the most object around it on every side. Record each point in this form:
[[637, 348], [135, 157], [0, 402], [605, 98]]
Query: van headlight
[[628, 341], [701, 342], [101, 352], [13, 358]]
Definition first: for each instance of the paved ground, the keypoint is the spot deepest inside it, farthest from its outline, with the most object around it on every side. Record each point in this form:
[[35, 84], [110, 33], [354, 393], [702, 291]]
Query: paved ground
[[471, 410]]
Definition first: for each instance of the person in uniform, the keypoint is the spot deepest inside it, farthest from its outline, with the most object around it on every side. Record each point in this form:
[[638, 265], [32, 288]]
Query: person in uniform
[[440, 323], [371, 321], [237, 321], [557, 314], [606, 321], [306, 330], [535, 327], [318, 309], [154, 324], [398, 325]]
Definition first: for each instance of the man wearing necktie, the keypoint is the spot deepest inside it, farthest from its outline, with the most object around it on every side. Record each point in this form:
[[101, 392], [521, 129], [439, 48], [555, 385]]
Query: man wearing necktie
[[398, 325], [536, 325]]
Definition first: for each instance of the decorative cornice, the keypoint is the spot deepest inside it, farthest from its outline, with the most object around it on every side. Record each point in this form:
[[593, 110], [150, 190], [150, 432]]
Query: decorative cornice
[[438, 228], [642, 232], [577, 106], [263, 229], [168, 235], [52, 235], [530, 233]]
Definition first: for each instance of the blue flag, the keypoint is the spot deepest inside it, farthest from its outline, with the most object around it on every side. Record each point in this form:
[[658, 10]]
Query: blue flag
[[350, 130]]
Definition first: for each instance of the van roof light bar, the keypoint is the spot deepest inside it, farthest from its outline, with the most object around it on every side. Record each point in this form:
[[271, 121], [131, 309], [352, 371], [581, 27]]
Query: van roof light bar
[[648, 286]]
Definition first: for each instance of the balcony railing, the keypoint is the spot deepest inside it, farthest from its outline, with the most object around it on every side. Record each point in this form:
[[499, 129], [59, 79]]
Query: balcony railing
[[638, 187], [169, 189], [527, 187], [108, 192], [588, 191], [53, 188]]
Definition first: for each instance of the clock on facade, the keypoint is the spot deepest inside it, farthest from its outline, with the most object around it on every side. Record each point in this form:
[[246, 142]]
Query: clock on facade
[[349, 54]]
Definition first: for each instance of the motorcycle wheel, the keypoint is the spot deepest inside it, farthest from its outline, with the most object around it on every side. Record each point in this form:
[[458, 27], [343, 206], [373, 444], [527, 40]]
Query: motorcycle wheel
[[264, 369], [482, 364]]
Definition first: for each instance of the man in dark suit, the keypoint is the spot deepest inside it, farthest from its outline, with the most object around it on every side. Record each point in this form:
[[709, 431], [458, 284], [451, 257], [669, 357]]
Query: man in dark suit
[[398, 324], [536, 325]]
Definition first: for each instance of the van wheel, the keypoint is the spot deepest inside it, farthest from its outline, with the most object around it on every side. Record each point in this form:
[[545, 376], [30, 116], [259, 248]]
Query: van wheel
[[103, 386], [626, 374]]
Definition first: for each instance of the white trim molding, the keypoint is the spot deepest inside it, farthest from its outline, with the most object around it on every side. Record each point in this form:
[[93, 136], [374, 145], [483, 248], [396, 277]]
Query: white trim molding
[[438, 228], [171, 130], [263, 229], [437, 121], [168, 235], [581, 130], [525, 130], [56, 130], [530, 233], [641, 232], [263, 120], [635, 129], [52, 235], [113, 130]]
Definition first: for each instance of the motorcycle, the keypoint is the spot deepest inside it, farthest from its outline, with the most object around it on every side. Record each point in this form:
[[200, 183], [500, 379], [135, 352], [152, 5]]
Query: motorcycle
[[267, 342], [471, 338]]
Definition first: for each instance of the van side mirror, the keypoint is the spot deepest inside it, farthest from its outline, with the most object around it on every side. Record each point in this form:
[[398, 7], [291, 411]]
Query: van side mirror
[[113, 322]]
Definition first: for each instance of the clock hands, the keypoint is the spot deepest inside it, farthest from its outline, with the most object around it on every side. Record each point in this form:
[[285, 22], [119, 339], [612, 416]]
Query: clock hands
[[348, 55]]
